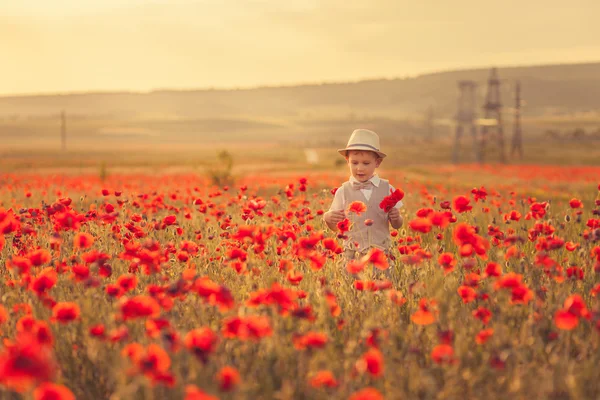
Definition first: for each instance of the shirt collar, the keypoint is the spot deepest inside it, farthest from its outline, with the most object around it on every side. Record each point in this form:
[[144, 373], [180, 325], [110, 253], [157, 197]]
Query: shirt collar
[[375, 179]]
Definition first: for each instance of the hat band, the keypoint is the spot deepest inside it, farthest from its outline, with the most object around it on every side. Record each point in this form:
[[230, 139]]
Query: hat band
[[365, 145]]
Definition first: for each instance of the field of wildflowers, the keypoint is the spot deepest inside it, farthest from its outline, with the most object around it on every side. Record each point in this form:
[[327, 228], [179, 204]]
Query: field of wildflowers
[[156, 287]]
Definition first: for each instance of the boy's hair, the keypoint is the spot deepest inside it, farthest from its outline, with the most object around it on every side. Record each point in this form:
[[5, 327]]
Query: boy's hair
[[377, 157]]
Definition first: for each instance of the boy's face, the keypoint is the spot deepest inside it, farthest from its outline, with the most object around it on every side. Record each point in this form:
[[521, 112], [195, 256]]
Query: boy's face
[[362, 164]]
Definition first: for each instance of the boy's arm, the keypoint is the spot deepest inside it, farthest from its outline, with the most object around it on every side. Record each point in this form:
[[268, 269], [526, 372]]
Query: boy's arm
[[394, 216], [332, 218], [336, 211]]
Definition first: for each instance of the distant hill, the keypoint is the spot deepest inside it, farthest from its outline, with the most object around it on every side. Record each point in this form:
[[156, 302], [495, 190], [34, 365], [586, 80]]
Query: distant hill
[[562, 102], [547, 90]]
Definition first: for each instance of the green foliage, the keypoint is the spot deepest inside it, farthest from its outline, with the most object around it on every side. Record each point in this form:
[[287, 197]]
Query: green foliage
[[221, 174], [103, 171]]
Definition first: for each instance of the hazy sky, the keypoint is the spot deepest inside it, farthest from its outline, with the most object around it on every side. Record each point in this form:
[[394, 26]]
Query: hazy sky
[[78, 45]]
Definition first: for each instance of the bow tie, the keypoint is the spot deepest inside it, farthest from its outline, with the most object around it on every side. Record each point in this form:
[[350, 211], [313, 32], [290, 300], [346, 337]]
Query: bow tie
[[362, 185]]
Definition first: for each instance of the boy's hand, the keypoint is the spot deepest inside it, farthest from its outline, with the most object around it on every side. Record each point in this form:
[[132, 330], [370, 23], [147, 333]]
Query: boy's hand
[[395, 217], [333, 217]]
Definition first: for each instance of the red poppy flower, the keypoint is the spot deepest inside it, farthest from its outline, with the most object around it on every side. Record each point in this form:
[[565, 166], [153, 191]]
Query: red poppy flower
[[422, 225], [139, 307], [509, 280], [575, 273], [447, 261], [424, 212], [479, 194], [377, 257], [512, 216], [43, 334], [83, 240], [493, 269], [44, 281], [465, 237], [154, 361], [483, 314], [396, 297], [441, 219], [355, 266], [25, 363], [52, 391], [565, 320], [461, 204], [484, 335], [570, 246], [228, 378], [294, 277], [97, 331], [443, 354], [193, 393], [538, 210], [330, 244], [521, 295], [467, 294], [39, 257], [201, 342], [323, 378], [3, 314], [169, 220], [65, 312], [310, 340], [425, 314], [343, 226], [391, 200], [575, 203], [127, 282], [244, 328], [357, 207], [371, 362], [367, 394]]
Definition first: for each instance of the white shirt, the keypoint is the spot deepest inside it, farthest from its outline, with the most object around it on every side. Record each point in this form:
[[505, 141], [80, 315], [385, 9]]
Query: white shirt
[[338, 199]]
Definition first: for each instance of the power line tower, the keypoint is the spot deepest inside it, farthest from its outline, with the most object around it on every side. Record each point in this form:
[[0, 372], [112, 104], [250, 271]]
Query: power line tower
[[517, 143], [63, 130], [493, 118], [465, 116]]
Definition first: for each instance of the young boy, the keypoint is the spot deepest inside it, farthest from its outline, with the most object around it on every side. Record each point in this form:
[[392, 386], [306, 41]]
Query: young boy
[[363, 157]]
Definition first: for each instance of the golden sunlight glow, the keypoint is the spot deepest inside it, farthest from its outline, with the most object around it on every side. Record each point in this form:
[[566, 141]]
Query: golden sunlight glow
[[80, 45]]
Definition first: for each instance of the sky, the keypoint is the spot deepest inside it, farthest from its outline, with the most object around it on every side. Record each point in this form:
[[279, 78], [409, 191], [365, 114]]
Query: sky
[[65, 46]]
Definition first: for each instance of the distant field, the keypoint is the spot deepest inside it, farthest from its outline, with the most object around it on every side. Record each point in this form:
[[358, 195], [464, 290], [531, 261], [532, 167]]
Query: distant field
[[269, 144]]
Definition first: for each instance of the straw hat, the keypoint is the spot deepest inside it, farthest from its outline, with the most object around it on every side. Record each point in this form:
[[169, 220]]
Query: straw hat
[[363, 139]]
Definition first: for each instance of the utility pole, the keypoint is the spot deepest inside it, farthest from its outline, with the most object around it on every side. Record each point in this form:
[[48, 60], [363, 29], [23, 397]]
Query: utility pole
[[517, 142]]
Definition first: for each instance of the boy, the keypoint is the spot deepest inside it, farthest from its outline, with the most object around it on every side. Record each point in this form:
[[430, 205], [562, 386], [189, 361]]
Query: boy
[[363, 157]]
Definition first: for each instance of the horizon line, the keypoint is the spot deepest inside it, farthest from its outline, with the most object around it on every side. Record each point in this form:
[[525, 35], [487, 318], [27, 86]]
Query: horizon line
[[289, 85]]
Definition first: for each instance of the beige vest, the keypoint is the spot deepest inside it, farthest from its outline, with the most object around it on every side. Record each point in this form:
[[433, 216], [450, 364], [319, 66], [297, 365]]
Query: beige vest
[[376, 235]]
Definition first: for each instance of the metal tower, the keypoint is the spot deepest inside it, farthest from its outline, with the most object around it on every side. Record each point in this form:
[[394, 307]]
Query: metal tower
[[465, 117], [493, 118]]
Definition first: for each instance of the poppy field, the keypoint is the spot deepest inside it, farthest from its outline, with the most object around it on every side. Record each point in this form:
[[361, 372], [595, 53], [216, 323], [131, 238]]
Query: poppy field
[[146, 286]]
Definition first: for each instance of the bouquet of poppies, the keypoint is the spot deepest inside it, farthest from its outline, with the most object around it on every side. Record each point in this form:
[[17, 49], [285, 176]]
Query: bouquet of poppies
[[390, 201]]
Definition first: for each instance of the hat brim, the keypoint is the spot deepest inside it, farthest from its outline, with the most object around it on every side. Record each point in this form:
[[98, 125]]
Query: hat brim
[[343, 151]]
